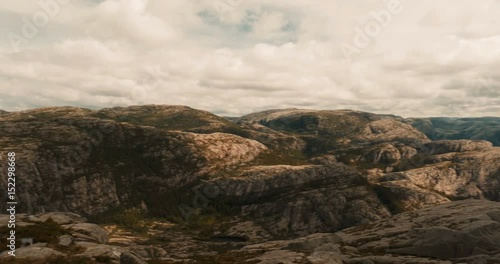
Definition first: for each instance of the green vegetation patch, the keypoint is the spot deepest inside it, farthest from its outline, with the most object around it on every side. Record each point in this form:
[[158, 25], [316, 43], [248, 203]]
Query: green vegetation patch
[[133, 219]]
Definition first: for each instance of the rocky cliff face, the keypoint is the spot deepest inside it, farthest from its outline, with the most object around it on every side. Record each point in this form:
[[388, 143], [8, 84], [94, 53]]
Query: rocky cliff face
[[71, 161], [457, 232], [445, 176], [278, 174], [298, 200]]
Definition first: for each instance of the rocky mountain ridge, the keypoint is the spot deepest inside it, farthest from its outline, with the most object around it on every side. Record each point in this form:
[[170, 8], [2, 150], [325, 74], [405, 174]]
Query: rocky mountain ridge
[[279, 174]]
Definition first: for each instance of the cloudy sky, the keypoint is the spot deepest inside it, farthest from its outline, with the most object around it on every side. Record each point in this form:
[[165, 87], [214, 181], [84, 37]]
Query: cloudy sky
[[231, 57]]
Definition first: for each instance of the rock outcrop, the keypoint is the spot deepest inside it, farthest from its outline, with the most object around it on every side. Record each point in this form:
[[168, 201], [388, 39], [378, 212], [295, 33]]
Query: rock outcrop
[[456, 175], [447, 146], [457, 232], [300, 200], [61, 236]]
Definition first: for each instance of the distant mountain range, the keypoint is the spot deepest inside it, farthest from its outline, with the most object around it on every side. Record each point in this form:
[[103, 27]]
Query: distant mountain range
[[436, 128], [481, 128]]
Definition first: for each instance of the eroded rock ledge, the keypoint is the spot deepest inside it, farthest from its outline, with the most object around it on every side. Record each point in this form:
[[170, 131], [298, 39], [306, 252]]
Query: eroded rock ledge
[[465, 231], [457, 232]]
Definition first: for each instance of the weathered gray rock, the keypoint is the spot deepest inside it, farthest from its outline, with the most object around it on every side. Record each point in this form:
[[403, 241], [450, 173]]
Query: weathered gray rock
[[315, 248], [386, 154], [402, 196], [279, 256], [325, 257], [34, 252], [93, 250], [249, 230], [456, 232], [88, 231], [148, 252], [223, 150], [65, 240], [385, 130], [130, 258], [446, 146], [390, 259], [473, 174], [86, 240], [448, 231], [326, 160], [300, 200], [61, 218]]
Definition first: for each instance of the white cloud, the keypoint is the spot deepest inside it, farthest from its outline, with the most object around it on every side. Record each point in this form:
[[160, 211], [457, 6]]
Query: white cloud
[[270, 23], [428, 61]]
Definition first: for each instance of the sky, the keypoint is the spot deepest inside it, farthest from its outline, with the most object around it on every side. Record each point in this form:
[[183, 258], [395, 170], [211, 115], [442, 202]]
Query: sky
[[232, 57]]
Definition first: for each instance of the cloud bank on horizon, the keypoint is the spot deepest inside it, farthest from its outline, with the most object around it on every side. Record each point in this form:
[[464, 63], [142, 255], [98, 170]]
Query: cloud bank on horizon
[[231, 57]]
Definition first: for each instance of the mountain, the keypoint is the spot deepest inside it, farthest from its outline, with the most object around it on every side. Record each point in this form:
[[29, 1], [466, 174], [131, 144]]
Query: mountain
[[181, 118], [436, 128], [71, 160], [227, 189]]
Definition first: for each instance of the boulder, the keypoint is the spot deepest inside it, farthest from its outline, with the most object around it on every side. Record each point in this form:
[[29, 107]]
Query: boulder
[[88, 231], [65, 240], [130, 258], [33, 252]]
